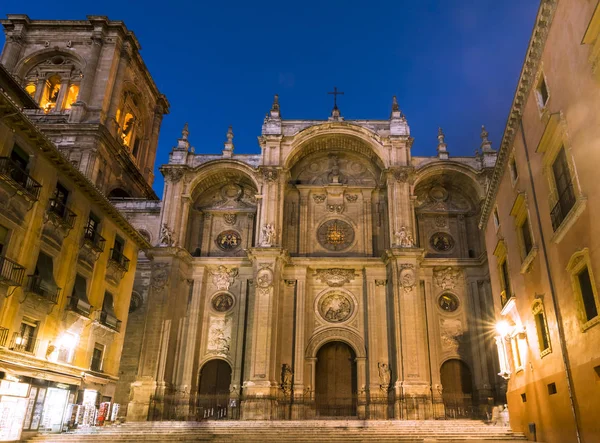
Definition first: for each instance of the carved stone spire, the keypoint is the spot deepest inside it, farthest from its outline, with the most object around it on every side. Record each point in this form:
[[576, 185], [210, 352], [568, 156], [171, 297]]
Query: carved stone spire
[[441, 148], [275, 108], [228, 147], [183, 144], [486, 144], [185, 132], [395, 106]]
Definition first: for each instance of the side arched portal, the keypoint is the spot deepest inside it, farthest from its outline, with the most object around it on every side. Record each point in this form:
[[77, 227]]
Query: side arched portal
[[457, 384], [335, 383]]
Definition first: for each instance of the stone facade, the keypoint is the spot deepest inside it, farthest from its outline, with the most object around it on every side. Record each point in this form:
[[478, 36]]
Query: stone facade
[[98, 103], [333, 233], [539, 231]]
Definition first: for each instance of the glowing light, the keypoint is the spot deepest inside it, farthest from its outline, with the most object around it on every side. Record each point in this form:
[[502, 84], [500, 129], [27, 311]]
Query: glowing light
[[503, 328]]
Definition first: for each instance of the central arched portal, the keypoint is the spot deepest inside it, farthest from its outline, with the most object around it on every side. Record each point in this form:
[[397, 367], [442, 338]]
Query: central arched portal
[[335, 380], [213, 389]]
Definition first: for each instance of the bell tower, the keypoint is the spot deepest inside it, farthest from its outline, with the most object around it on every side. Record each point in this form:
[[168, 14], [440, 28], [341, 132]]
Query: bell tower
[[98, 102]]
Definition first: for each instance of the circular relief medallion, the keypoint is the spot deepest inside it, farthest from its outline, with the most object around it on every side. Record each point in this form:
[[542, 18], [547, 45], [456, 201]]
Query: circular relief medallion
[[229, 240], [222, 302], [448, 302], [441, 241], [335, 235], [336, 307], [264, 278]]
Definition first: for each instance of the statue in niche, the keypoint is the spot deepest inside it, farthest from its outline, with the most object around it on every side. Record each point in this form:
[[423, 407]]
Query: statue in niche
[[286, 378], [385, 376], [403, 238], [268, 235], [166, 235]]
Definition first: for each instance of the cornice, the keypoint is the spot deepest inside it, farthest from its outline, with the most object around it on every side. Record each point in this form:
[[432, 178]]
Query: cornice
[[49, 150], [528, 71]]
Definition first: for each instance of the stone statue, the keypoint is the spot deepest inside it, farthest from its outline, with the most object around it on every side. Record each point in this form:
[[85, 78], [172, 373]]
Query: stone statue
[[268, 235], [385, 376], [403, 238], [166, 236], [286, 378]]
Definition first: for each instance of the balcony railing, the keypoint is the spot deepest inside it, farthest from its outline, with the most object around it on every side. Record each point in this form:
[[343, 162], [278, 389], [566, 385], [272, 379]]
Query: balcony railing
[[39, 287], [562, 207], [3, 336], [80, 306], [95, 240], [110, 321], [118, 257], [59, 209], [11, 272], [21, 343], [13, 173]]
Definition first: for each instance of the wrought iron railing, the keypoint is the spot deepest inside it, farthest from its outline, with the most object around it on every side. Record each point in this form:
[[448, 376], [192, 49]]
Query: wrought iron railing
[[3, 336], [118, 257], [22, 343], [64, 214], [11, 272], [109, 321], [80, 306], [39, 287], [566, 200], [12, 172], [94, 239]]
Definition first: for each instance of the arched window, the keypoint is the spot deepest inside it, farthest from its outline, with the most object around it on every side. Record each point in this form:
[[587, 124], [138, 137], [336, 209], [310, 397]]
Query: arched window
[[50, 93], [72, 94]]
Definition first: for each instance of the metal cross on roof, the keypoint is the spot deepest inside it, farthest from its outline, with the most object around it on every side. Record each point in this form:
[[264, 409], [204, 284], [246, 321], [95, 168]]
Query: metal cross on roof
[[335, 93]]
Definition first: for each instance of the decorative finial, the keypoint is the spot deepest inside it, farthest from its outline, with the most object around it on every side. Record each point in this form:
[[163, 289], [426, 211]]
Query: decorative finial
[[484, 134], [228, 146], [486, 144], [275, 106], [395, 106], [185, 132], [441, 148], [230, 134]]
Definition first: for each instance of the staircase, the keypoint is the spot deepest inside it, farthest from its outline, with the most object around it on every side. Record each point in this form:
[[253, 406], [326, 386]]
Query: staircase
[[292, 431]]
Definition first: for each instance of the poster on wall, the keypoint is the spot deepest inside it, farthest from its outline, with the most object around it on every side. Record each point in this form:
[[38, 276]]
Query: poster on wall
[[37, 409], [30, 403], [12, 413]]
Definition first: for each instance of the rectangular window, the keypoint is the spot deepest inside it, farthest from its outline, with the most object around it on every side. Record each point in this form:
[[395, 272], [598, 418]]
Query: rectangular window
[[514, 342], [119, 245], [542, 91], [524, 398], [19, 157], [526, 234], [542, 331], [552, 389], [505, 278], [564, 189], [59, 200], [97, 356], [587, 294], [93, 222], [514, 173], [25, 342]]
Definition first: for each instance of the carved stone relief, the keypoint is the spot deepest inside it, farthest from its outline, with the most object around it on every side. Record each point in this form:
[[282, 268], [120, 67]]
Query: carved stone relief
[[335, 307], [230, 219], [407, 277], [451, 332], [264, 280], [222, 302], [446, 278], [335, 277], [219, 336], [223, 278]]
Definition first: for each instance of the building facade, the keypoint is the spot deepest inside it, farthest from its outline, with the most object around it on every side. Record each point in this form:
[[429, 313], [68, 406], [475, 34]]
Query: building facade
[[331, 274], [79, 121], [538, 218]]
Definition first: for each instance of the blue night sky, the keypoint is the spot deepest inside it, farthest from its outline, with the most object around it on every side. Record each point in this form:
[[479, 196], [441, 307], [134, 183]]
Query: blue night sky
[[453, 64]]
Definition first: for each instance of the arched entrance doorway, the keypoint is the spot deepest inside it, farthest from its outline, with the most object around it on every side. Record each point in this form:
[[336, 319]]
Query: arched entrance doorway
[[213, 389], [457, 385], [335, 380]]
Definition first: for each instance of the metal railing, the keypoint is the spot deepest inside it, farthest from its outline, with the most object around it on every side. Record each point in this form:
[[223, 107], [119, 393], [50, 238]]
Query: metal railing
[[3, 336], [59, 209], [94, 239], [118, 257], [80, 306], [109, 321], [11, 272], [196, 407], [12, 172], [20, 343], [566, 200], [39, 287]]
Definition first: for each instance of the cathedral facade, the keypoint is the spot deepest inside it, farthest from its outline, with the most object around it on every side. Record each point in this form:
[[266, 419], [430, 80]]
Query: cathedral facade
[[331, 274]]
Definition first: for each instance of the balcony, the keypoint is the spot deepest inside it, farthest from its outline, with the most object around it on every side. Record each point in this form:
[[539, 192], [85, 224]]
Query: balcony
[[3, 336], [507, 300], [120, 260], [566, 201], [93, 239], [110, 321], [11, 273], [61, 213], [79, 306], [18, 178], [21, 343], [37, 286]]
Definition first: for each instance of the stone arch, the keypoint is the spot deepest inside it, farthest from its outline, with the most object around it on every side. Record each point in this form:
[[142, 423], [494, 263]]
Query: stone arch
[[344, 335], [218, 364], [211, 174], [449, 168], [26, 64], [349, 137], [118, 192]]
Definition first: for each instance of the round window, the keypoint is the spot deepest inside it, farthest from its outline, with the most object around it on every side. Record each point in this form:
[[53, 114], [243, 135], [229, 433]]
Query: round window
[[222, 302], [335, 235], [442, 242], [229, 240]]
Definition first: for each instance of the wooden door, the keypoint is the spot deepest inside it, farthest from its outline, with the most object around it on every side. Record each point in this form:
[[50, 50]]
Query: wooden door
[[335, 390]]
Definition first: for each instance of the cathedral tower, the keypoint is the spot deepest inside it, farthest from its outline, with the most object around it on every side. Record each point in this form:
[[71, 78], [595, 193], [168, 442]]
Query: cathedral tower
[[98, 102]]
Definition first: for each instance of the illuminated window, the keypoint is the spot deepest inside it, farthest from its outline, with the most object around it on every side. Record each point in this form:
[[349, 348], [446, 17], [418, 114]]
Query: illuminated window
[[50, 94], [584, 288], [503, 273], [30, 89], [72, 94], [541, 326], [127, 128]]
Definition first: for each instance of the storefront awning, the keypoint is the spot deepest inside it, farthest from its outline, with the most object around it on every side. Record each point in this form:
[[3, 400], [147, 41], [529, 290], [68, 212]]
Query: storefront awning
[[41, 374]]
